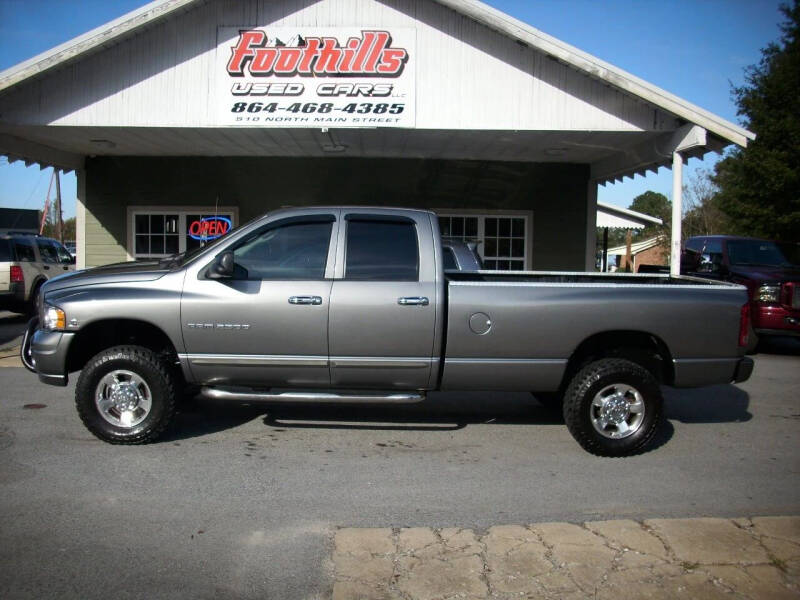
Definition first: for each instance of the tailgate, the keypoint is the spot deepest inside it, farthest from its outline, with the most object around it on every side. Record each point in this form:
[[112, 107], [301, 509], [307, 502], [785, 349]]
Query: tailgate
[[5, 277]]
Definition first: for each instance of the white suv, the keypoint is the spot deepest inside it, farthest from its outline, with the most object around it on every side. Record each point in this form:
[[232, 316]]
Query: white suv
[[26, 262]]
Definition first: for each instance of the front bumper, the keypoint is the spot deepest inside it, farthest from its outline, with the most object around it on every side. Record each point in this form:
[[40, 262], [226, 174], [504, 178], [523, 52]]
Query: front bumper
[[775, 320], [48, 351]]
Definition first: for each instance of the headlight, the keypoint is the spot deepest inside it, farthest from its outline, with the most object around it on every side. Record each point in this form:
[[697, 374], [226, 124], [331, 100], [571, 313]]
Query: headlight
[[54, 319], [768, 294]]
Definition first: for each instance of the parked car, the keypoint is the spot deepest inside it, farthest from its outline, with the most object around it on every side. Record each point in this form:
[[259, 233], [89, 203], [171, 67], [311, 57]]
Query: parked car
[[767, 269], [366, 313], [26, 262]]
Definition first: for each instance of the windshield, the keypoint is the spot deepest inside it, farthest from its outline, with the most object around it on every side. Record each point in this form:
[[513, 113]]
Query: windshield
[[756, 252]]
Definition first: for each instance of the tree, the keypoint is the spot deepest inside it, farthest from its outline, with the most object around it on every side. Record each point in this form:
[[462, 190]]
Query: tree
[[655, 205], [69, 229], [759, 186], [701, 212]]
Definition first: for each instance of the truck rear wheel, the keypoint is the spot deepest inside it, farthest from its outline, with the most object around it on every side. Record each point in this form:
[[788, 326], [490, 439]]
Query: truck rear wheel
[[126, 395], [613, 407]]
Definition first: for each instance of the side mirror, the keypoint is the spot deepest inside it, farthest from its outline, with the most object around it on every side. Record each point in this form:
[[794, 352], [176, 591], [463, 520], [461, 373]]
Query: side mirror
[[71, 260], [222, 267]]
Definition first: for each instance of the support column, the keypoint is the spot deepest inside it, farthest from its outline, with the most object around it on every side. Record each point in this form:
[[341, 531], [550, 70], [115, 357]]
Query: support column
[[591, 225], [80, 219], [677, 209]]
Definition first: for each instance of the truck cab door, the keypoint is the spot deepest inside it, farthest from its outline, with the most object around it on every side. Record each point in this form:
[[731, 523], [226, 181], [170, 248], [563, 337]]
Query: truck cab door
[[267, 325], [384, 303]]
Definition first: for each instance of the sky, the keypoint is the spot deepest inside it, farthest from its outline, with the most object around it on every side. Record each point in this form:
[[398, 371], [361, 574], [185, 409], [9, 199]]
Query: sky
[[694, 49]]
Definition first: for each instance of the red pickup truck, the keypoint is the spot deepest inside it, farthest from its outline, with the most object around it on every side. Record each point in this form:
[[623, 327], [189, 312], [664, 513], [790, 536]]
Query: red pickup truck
[[768, 269]]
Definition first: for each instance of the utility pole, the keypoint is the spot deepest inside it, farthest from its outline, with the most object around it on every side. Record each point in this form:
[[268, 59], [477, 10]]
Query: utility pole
[[59, 213]]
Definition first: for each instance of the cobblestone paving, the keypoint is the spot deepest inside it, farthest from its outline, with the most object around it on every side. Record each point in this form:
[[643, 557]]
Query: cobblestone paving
[[660, 558]]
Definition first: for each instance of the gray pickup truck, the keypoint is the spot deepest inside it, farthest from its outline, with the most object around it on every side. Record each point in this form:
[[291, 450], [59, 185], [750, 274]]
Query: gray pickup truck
[[353, 305]]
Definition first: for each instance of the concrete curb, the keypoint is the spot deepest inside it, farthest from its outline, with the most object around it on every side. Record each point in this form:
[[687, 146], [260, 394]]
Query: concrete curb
[[9, 357], [659, 558]]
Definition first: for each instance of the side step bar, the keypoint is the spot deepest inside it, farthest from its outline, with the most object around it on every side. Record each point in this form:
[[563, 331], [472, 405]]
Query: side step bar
[[219, 393]]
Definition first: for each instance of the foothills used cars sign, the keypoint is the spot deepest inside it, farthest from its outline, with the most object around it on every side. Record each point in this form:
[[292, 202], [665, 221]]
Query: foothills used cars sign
[[315, 77]]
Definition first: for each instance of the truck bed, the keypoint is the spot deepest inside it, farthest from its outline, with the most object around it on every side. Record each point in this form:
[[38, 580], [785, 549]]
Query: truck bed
[[564, 277], [535, 322]]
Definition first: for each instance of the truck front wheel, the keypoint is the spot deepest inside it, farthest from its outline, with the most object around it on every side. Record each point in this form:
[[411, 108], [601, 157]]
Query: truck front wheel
[[613, 407], [126, 395]]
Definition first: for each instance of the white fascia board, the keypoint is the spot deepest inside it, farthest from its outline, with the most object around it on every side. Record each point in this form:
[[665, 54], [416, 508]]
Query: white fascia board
[[90, 40], [600, 69], [689, 138], [16, 148], [637, 218], [636, 247]]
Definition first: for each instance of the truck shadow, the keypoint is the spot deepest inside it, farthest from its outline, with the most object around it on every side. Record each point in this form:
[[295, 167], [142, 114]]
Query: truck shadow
[[440, 411], [713, 404], [779, 345], [12, 326]]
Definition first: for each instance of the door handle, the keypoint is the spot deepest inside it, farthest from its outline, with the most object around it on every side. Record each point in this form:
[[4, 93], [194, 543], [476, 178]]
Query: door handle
[[413, 301], [46, 268], [315, 300]]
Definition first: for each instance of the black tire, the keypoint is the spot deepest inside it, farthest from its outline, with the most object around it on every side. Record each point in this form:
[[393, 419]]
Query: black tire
[[601, 376], [147, 367], [32, 307], [552, 401]]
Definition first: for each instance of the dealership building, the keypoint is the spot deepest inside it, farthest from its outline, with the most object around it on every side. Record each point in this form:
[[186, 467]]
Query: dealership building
[[187, 115]]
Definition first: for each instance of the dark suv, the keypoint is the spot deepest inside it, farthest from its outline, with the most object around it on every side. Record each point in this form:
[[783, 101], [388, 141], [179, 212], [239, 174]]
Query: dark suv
[[768, 269]]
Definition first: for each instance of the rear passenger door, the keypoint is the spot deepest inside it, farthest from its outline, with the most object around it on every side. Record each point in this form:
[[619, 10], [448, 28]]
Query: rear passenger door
[[383, 303]]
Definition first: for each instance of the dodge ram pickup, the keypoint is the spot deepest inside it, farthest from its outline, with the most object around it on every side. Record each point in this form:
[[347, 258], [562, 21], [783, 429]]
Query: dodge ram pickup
[[353, 305]]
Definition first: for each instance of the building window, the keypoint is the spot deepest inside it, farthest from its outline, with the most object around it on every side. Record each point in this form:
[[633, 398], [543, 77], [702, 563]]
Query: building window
[[503, 239], [156, 233]]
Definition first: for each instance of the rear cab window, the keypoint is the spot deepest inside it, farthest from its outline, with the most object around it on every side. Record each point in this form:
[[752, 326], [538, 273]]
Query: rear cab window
[[381, 249]]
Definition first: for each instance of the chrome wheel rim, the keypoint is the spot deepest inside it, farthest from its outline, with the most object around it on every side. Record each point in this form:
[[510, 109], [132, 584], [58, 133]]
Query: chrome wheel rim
[[617, 411], [123, 399]]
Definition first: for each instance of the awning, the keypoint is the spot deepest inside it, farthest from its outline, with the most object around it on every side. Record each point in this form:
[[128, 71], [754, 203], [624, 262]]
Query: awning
[[623, 218]]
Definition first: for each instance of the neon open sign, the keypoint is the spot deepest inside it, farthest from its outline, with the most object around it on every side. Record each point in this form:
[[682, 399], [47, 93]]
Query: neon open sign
[[209, 228]]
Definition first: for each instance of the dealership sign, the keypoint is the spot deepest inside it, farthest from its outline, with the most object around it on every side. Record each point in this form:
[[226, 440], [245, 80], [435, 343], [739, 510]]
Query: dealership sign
[[315, 77]]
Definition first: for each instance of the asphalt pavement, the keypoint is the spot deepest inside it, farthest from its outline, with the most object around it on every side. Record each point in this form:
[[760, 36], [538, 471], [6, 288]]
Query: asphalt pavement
[[242, 500]]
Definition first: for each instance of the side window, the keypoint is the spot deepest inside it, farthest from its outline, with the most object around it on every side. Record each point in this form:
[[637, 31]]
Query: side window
[[25, 250], [291, 251], [450, 263], [64, 257], [711, 260], [381, 251], [47, 251]]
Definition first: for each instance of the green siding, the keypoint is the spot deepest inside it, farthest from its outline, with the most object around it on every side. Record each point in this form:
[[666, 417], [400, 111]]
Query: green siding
[[556, 193]]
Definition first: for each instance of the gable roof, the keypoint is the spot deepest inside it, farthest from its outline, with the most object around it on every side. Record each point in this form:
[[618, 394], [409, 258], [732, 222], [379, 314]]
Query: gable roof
[[519, 31]]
